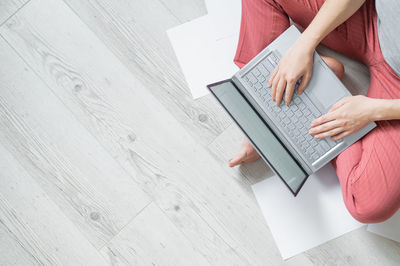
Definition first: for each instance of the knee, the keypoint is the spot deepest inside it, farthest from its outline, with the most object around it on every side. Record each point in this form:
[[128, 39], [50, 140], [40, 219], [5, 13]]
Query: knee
[[372, 212]]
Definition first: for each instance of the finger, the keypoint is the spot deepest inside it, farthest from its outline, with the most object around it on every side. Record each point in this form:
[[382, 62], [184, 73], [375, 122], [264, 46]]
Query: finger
[[279, 91], [275, 82], [337, 105], [341, 135], [323, 119], [271, 78], [304, 82], [239, 158], [330, 133], [289, 91], [324, 127]]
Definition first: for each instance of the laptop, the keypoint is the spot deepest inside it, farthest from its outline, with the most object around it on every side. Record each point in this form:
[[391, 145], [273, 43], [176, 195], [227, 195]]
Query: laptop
[[280, 133]]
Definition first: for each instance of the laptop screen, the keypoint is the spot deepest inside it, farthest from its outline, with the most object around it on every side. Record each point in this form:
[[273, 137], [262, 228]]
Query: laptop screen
[[259, 134]]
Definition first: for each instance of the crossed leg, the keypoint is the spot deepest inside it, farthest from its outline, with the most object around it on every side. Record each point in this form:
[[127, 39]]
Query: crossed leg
[[368, 171]]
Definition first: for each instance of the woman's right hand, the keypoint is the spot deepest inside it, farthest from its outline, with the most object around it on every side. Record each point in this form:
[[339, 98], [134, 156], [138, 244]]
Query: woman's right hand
[[295, 64]]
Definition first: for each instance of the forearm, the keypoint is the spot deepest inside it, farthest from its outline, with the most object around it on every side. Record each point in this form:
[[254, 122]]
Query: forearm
[[384, 109], [331, 14]]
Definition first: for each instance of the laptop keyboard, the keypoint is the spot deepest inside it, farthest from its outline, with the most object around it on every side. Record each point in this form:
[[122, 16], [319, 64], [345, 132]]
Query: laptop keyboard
[[293, 120]]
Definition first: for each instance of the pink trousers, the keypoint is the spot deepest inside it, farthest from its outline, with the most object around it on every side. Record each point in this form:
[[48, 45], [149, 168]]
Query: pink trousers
[[369, 170]]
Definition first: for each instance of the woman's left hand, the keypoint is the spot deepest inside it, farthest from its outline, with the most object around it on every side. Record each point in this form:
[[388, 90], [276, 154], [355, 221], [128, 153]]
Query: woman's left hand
[[344, 118]]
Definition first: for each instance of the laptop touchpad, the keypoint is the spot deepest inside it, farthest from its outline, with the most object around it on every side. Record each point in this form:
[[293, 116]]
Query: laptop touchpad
[[324, 87]]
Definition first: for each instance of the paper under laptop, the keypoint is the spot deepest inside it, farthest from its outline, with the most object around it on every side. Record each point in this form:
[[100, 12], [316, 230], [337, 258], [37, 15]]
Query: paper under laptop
[[314, 217]]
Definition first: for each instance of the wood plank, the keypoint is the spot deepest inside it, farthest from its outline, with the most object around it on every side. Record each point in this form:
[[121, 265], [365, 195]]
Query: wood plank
[[190, 212], [33, 230], [219, 216], [151, 239], [68, 163], [135, 31], [9, 7], [359, 247]]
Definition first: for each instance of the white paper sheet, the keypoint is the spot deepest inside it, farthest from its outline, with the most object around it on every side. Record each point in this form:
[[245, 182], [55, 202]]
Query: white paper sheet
[[225, 16], [389, 229], [314, 217], [203, 58], [205, 47]]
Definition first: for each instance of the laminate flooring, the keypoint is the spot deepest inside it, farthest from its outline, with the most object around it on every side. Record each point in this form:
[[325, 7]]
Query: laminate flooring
[[107, 160]]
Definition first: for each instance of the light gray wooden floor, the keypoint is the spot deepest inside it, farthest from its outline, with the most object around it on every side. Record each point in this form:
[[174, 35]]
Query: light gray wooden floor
[[106, 159]]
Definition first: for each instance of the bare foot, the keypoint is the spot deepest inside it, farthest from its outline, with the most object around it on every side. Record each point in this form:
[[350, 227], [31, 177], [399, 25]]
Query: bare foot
[[335, 65], [247, 153]]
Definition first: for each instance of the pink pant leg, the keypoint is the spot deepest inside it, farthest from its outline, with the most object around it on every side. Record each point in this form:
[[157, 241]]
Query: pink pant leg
[[262, 21], [369, 170]]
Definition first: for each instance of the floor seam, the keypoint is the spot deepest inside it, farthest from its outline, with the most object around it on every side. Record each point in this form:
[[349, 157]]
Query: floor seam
[[14, 13], [127, 224]]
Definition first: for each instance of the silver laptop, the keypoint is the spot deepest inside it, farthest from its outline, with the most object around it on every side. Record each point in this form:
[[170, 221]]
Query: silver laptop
[[280, 133]]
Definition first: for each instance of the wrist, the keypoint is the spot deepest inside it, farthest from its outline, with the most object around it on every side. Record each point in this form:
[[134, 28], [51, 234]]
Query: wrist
[[375, 109], [381, 109], [309, 40]]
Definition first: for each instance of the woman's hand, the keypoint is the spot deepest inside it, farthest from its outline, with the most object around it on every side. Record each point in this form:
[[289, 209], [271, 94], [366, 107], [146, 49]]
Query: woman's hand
[[295, 64], [298, 60], [344, 118], [246, 154]]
